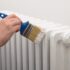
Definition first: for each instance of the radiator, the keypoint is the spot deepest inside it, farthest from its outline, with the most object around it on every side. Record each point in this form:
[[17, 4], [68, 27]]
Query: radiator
[[53, 53]]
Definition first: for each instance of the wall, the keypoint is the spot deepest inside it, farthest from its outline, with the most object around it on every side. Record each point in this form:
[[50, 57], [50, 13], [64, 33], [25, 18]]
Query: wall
[[51, 10]]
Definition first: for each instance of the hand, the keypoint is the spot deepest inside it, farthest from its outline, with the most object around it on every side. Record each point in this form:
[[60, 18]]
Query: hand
[[8, 26], [13, 22]]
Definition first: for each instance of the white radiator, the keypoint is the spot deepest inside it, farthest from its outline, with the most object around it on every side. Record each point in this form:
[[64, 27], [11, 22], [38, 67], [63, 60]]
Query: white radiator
[[53, 53]]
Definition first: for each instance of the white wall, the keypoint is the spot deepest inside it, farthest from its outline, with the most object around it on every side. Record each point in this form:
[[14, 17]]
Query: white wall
[[52, 10]]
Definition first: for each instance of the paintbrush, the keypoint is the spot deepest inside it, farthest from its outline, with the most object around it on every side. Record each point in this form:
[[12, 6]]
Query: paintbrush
[[30, 31]]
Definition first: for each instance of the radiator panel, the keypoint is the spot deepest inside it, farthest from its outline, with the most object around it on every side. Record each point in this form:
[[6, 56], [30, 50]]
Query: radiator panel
[[53, 53], [21, 54]]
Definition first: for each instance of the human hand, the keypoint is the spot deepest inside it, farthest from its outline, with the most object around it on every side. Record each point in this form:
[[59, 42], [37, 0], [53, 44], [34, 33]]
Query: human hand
[[8, 26], [12, 22]]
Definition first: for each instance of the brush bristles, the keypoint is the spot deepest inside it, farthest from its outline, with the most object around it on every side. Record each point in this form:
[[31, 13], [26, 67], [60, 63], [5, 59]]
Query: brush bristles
[[31, 32]]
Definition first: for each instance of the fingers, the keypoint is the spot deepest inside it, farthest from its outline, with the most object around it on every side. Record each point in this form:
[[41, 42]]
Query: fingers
[[13, 22], [16, 28], [11, 16]]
